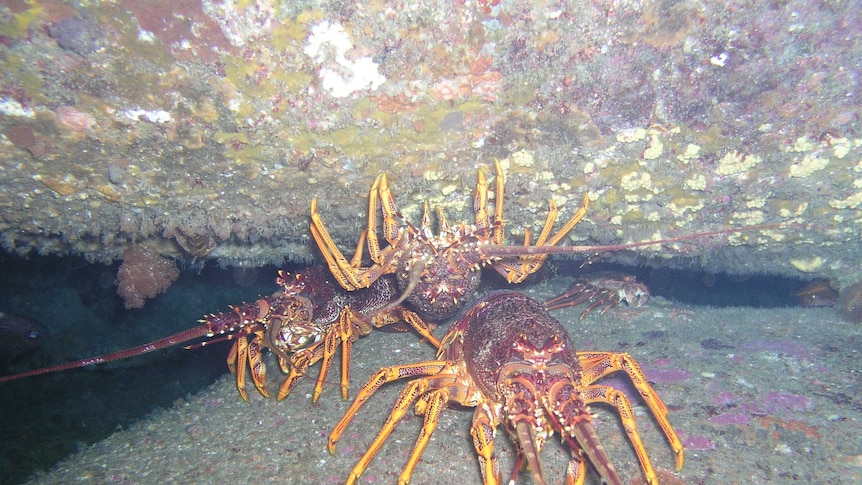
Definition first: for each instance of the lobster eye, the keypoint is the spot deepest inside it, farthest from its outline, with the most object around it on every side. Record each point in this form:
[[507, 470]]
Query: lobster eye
[[33, 335]]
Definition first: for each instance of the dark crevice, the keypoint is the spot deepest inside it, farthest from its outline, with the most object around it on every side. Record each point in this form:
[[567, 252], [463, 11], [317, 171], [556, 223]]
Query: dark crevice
[[697, 287]]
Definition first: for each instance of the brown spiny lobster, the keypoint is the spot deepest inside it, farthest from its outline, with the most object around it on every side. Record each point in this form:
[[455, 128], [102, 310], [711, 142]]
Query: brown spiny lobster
[[508, 358], [438, 272], [303, 323], [604, 290]]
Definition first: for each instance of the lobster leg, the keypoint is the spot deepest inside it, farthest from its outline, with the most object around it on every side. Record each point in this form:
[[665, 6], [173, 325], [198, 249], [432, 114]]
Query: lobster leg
[[567, 301], [578, 292], [618, 400], [599, 364], [349, 277], [256, 365], [484, 431], [299, 363], [330, 345], [604, 300], [399, 314], [431, 404], [387, 374], [406, 399]]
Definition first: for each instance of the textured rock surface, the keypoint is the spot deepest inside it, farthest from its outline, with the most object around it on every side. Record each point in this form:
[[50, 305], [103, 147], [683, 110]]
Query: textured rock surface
[[205, 128]]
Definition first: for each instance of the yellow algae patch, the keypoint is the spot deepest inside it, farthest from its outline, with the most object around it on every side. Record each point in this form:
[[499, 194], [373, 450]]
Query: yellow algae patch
[[635, 180], [457, 205], [840, 147], [735, 162], [802, 144], [223, 137], [809, 265], [777, 236], [680, 205], [750, 217], [544, 176], [563, 188], [657, 236], [655, 148], [808, 165], [698, 182], [850, 202], [431, 175], [631, 135], [448, 189], [756, 203], [560, 200], [788, 208], [522, 158], [238, 147], [412, 212], [691, 152], [21, 22]]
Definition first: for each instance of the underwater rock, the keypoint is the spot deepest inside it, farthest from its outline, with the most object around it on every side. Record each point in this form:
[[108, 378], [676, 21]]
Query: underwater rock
[[81, 34]]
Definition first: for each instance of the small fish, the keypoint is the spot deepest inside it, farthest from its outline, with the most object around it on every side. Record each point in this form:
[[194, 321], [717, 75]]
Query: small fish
[[19, 334]]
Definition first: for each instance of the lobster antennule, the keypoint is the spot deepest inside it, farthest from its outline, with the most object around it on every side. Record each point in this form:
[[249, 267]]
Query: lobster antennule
[[494, 250], [178, 338]]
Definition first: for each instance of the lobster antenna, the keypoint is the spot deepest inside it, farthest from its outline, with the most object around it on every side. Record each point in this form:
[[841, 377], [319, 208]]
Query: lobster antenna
[[500, 250], [178, 338]]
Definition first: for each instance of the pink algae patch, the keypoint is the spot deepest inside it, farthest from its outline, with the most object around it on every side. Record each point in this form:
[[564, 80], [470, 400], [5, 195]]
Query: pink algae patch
[[659, 372], [738, 419], [725, 398], [698, 443], [787, 347], [777, 401]]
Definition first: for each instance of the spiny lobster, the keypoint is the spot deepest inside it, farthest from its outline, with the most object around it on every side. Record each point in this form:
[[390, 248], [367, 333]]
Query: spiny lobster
[[437, 273], [604, 290], [303, 323], [510, 360]]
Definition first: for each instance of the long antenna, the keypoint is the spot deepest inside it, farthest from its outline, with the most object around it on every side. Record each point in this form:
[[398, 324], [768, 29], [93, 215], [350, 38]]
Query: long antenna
[[495, 250], [193, 333]]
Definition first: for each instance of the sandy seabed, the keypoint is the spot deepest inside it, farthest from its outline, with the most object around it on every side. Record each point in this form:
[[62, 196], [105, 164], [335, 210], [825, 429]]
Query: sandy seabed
[[758, 396]]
